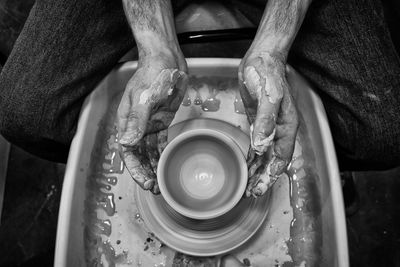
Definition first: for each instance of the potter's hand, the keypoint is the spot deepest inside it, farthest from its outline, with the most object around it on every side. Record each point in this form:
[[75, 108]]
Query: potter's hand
[[273, 118], [148, 105], [155, 91], [262, 74]]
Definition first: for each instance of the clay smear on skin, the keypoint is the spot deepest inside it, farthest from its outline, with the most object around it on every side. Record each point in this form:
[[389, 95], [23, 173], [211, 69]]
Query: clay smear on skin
[[253, 80], [274, 95], [105, 163], [261, 144], [147, 96], [266, 179]]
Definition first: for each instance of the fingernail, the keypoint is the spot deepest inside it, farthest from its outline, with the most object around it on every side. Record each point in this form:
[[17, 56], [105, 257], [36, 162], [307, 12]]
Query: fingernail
[[257, 192], [156, 189], [148, 184]]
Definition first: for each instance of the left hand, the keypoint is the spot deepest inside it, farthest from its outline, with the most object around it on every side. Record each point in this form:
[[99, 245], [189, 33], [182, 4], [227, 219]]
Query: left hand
[[274, 122], [151, 98]]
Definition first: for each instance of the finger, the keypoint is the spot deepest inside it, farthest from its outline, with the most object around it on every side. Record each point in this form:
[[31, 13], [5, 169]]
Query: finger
[[152, 151], [130, 112], [159, 121], [134, 122], [265, 178], [138, 165], [269, 93], [123, 113], [258, 162], [249, 102], [154, 156], [287, 127], [255, 178], [254, 172], [265, 181], [254, 162], [251, 156], [162, 137], [283, 147], [251, 184], [155, 144]]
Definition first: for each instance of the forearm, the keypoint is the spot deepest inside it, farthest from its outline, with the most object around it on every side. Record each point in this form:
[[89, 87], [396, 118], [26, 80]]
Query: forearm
[[152, 24], [279, 26]]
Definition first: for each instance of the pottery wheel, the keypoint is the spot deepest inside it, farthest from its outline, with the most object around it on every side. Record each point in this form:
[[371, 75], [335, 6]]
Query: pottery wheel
[[203, 237]]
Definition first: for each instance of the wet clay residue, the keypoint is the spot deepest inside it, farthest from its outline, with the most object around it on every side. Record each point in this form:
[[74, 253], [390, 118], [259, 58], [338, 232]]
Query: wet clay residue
[[238, 104], [212, 103], [204, 92], [105, 165], [103, 235], [196, 84], [305, 243], [186, 100], [152, 244]]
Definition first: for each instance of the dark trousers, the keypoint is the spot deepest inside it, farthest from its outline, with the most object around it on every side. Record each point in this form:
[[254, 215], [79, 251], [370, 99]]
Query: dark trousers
[[66, 47]]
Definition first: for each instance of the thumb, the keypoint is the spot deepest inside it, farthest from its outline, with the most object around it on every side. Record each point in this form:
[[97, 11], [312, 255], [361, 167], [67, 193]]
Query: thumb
[[268, 94], [262, 131]]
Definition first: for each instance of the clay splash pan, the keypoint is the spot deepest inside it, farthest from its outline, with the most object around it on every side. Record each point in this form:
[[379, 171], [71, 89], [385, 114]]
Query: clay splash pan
[[204, 237], [100, 219]]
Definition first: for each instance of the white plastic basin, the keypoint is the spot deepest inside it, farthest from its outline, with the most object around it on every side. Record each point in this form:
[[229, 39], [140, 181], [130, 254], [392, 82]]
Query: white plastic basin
[[330, 248]]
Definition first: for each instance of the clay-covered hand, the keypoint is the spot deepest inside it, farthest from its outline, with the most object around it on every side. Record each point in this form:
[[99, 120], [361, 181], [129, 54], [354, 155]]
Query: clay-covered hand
[[272, 115], [148, 105]]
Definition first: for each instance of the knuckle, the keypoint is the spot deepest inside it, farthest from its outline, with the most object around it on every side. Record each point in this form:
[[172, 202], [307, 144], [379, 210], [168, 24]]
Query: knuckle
[[133, 115]]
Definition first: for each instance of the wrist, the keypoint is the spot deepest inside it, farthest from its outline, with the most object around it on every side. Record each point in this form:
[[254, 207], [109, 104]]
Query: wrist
[[273, 48], [164, 56], [151, 44], [272, 60]]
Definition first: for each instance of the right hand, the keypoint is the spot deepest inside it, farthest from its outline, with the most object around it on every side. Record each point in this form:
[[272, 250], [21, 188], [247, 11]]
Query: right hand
[[274, 123], [148, 105]]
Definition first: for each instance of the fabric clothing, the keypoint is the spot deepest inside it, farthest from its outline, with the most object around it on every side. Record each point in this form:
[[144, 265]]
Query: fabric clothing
[[66, 47], [63, 51], [345, 51]]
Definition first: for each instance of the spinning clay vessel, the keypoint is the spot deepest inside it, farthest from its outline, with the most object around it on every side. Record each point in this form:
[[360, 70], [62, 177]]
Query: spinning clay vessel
[[202, 174]]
